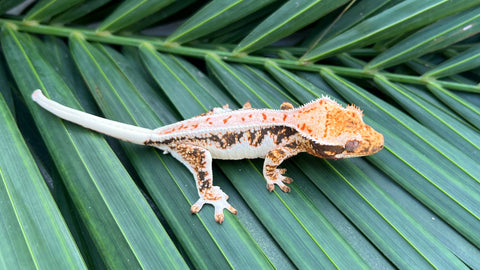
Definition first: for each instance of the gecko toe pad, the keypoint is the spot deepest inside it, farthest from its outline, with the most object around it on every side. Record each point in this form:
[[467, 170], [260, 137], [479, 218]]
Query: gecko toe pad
[[218, 199], [279, 182]]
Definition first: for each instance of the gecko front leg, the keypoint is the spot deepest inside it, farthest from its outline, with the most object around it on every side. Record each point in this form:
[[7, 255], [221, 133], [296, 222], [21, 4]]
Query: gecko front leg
[[272, 174], [199, 161]]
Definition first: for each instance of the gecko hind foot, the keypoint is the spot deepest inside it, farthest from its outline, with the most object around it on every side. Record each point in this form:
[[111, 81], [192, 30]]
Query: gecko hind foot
[[218, 199], [280, 181]]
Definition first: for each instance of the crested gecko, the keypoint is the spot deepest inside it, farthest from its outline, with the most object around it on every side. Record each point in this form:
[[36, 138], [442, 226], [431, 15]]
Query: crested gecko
[[322, 128]]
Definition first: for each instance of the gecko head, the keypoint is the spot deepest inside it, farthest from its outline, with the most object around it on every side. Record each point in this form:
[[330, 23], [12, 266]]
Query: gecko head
[[338, 132], [354, 136]]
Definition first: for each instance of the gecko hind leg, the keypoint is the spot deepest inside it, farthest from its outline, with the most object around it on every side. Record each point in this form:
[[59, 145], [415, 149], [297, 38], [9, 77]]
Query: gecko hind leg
[[199, 161], [274, 175]]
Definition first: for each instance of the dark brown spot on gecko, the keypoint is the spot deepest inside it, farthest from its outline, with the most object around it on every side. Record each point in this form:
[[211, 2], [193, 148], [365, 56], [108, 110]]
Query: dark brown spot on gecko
[[204, 182], [149, 142], [283, 133], [276, 154], [292, 145], [196, 157], [324, 151], [270, 170], [225, 140], [231, 138]]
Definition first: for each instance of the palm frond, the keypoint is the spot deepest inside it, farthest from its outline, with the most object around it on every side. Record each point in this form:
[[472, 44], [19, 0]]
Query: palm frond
[[411, 66]]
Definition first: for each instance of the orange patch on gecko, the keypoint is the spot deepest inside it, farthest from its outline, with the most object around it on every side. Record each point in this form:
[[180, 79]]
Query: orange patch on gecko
[[312, 118], [226, 119]]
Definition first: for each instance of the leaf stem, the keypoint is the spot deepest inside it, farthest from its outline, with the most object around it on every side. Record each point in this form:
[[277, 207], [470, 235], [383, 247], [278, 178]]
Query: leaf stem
[[162, 46]]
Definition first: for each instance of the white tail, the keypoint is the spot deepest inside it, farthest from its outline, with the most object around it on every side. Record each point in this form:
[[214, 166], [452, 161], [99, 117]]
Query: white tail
[[111, 128]]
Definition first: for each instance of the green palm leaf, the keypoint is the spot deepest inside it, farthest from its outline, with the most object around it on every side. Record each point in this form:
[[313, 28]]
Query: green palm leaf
[[82, 159], [399, 19], [34, 233], [415, 204], [129, 12], [437, 35]]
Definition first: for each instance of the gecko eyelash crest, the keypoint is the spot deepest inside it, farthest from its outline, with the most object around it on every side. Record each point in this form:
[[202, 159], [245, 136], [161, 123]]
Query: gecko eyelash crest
[[321, 128]]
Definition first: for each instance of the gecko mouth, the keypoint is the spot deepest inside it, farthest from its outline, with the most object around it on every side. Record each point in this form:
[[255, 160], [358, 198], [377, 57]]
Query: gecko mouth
[[376, 149], [360, 152]]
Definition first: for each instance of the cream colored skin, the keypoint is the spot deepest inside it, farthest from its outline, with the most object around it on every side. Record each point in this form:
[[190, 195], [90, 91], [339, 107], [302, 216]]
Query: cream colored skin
[[246, 133]]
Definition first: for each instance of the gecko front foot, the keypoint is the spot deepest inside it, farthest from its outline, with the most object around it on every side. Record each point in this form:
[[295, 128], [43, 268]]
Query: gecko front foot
[[279, 180], [216, 197]]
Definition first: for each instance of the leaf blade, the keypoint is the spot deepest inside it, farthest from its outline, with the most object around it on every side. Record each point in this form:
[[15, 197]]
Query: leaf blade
[[83, 159], [292, 16], [401, 18], [130, 12], [34, 232], [214, 16], [437, 35]]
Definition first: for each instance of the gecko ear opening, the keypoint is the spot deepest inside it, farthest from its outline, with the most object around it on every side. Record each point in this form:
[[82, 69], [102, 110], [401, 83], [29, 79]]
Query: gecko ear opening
[[350, 146]]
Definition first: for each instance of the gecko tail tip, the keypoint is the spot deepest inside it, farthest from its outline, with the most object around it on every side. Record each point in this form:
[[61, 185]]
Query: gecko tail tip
[[36, 94]]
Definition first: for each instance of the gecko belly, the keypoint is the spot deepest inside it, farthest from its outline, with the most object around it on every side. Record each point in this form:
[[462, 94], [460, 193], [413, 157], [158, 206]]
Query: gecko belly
[[243, 143], [240, 143], [242, 149]]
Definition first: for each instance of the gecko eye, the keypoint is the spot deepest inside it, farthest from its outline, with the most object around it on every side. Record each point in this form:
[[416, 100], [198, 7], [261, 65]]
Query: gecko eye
[[351, 145]]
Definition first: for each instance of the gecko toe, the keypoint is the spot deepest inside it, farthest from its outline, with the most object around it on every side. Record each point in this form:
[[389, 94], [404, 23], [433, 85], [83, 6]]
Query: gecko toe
[[285, 188], [196, 207], [287, 180], [216, 197], [219, 206], [279, 182], [219, 218], [232, 210]]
